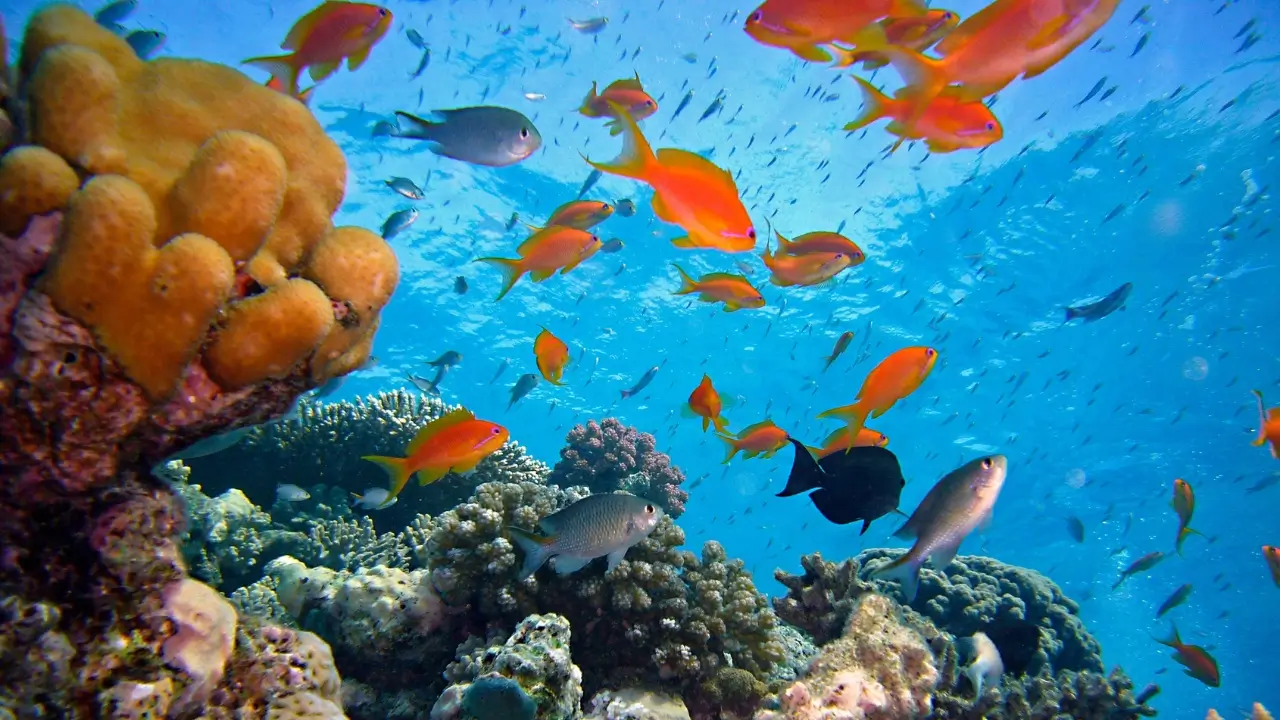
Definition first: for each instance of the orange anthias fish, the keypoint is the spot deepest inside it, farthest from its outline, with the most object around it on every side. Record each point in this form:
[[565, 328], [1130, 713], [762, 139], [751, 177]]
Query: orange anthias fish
[[323, 38], [628, 93], [1198, 662], [552, 356], [581, 214], [762, 439], [1003, 41], [732, 290], [947, 124], [808, 269], [546, 251], [820, 242], [842, 344], [803, 26], [455, 442], [705, 403], [1268, 427], [1272, 556], [1184, 504], [689, 191], [914, 33], [839, 441], [896, 377], [303, 97]]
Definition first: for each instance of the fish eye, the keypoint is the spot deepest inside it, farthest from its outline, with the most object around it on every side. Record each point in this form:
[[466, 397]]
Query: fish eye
[[751, 233], [929, 352], [756, 17], [986, 463], [496, 430], [947, 16], [991, 126], [648, 509], [524, 132], [383, 12], [648, 103]]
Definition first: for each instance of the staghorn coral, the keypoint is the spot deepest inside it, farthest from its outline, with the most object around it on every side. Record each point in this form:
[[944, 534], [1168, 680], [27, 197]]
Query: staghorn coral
[[879, 668], [323, 446], [971, 594], [537, 658], [608, 456], [662, 615]]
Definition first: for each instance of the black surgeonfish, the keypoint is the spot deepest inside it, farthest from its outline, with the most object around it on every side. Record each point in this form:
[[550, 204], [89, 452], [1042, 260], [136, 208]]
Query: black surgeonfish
[[861, 484]]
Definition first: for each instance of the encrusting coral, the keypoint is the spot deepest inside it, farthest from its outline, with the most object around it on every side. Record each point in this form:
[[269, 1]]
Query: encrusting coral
[[608, 456], [1050, 659], [153, 215]]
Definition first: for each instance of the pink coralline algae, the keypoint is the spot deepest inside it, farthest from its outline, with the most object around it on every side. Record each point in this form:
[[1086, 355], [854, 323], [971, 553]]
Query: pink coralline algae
[[609, 456]]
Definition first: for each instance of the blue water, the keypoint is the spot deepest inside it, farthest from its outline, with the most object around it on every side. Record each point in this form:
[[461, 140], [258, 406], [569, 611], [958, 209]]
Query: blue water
[[959, 257]]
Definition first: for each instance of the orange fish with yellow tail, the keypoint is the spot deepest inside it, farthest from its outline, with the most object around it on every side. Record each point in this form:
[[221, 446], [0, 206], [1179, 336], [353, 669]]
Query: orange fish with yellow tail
[[918, 33], [820, 241], [760, 440], [455, 442], [948, 123], [552, 355], [1005, 40], [580, 214], [1271, 554], [688, 190], [705, 402], [628, 93], [732, 290], [1268, 427], [804, 26], [838, 441], [550, 249], [896, 377], [323, 38], [807, 270], [1184, 504], [1197, 661]]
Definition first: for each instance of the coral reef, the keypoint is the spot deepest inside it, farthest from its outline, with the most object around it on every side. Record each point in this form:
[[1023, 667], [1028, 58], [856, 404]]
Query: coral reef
[[323, 446], [879, 668], [1049, 655], [636, 704], [608, 456], [536, 658], [154, 215], [685, 617]]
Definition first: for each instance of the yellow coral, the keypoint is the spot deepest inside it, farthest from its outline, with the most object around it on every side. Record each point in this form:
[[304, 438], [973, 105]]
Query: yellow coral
[[359, 271], [269, 335], [242, 175], [152, 307], [33, 181]]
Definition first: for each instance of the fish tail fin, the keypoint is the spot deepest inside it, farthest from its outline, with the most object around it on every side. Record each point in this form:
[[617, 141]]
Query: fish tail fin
[[687, 283], [397, 470], [1262, 420], [875, 105], [283, 68], [830, 359], [731, 448], [720, 423], [592, 96], [805, 472], [1173, 640], [924, 76], [636, 159], [412, 126], [906, 570], [706, 424], [537, 549], [304, 96], [1183, 534], [855, 415], [512, 269], [1071, 314]]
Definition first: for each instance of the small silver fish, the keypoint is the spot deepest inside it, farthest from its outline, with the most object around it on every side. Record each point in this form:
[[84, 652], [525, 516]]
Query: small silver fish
[[644, 382], [501, 369], [210, 445], [626, 207], [373, 499], [534, 97], [448, 359], [590, 182], [460, 285], [330, 387], [416, 39], [383, 128], [589, 27], [398, 222], [113, 13], [423, 384], [595, 526], [405, 187], [288, 492], [987, 666], [481, 135], [612, 246], [422, 64], [960, 502], [146, 43], [523, 386]]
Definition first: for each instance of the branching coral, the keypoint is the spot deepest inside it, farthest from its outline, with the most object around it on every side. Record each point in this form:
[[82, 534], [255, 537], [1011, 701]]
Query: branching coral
[[1062, 661], [324, 444], [610, 456]]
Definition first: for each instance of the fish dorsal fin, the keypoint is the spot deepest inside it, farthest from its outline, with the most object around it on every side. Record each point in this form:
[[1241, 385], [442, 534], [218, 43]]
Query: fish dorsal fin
[[683, 160], [626, 84], [975, 24], [532, 240], [722, 276], [835, 436], [435, 427], [752, 428], [301, 29]]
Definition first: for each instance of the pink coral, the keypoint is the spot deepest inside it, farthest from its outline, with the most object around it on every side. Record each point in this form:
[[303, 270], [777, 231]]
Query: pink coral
[[608, 456]]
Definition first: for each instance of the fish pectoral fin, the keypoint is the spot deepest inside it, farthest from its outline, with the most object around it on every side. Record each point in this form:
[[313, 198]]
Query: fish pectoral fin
[[357, 59], [906, 570], [565, 565], [320, 71], [537, 549], [615, 557]]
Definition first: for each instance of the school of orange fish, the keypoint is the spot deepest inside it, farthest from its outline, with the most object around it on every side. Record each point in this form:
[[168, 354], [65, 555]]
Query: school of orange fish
[[941, 104]]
